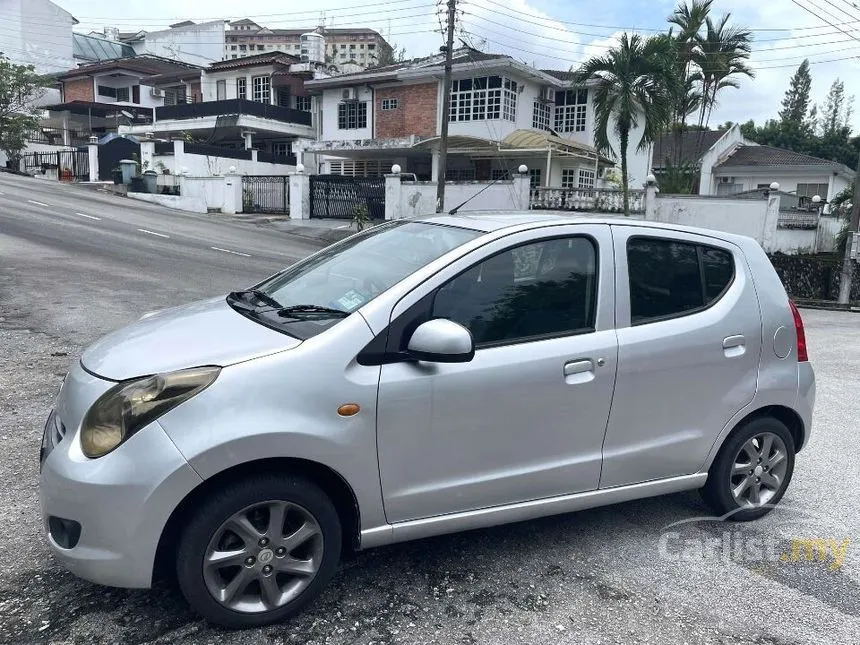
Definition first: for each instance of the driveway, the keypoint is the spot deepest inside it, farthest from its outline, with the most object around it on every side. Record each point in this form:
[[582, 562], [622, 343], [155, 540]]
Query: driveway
[[609, 575]]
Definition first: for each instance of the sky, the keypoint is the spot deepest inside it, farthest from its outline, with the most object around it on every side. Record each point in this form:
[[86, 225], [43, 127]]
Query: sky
[[556, 34]]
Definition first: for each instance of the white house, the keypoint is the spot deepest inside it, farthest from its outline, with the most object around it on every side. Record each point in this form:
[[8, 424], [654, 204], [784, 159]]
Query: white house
[[37, 33], [188, 42], [729, 164], [502, 113]]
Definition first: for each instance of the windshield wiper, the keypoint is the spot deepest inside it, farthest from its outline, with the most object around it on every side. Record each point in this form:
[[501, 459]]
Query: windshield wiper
[[256, 293], [311, 309]]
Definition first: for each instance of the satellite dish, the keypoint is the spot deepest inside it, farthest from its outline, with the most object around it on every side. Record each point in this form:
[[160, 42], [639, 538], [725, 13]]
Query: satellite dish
[[127, 115]]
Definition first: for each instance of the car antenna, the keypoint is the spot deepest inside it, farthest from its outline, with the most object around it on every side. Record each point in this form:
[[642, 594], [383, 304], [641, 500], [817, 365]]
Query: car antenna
[[454, 210]]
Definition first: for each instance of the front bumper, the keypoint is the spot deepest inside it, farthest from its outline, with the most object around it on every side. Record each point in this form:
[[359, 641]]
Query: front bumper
[[122, 501]]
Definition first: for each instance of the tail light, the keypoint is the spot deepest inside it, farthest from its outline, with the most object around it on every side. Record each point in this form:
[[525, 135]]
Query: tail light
[[802, 355]]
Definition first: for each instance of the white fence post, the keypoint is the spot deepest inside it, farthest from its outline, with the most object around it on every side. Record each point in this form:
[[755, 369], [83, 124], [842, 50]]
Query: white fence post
[[300, 194], [522, 188], [178, 156], [232, 192], [393, 188], [93, 150], [771, 219], [651, 197], [147, 152]]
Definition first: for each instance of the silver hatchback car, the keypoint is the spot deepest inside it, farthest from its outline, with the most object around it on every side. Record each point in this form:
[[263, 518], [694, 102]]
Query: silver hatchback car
[[423, 377]]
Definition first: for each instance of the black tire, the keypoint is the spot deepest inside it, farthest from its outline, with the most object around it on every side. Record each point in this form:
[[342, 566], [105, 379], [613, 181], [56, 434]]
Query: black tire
[[209, 517], [717, 493]]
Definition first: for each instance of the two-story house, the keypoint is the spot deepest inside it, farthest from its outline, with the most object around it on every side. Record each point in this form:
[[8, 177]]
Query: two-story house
[[257, 102], [503, 113]]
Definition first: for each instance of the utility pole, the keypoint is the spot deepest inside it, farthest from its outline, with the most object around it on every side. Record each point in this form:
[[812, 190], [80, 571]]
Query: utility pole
[[853, 227], [446, 109]]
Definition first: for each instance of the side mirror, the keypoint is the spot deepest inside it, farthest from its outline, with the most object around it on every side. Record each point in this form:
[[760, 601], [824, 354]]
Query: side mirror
[[441, 341]]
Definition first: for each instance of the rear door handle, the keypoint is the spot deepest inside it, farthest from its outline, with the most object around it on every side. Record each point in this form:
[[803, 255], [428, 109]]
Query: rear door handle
[[580, 371], [734, 345]]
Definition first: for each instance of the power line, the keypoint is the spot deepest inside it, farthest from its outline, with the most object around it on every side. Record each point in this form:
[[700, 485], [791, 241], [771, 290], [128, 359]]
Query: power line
[[808, 10]]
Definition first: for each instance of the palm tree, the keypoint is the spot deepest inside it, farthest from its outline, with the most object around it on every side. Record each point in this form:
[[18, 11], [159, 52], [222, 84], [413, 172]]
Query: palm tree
[[722, 55], [633, 83]]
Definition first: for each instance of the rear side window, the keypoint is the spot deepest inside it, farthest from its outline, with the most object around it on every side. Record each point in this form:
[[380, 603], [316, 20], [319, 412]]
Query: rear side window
[[670, 278]]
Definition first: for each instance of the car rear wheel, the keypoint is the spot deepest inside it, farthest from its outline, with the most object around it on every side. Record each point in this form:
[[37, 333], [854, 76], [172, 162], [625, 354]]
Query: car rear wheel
[[752, 470], [258, 551]]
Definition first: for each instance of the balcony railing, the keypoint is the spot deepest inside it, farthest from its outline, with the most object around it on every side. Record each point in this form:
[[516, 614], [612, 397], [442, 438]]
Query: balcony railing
[[593, 200], [233, 106]]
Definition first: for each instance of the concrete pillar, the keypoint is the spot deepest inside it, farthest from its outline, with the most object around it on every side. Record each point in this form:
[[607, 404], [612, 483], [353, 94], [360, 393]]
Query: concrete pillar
[[522, 188], [434, 166], [147, 155], [393, 203], [93, 150], [67, 137], [178, 156], [249, 140], [300, 194], [771, 219], [651, 197], [254, 155], [232, 192]]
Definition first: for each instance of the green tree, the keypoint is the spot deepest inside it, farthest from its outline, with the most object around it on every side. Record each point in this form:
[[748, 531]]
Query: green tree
[[796, 100], [837, 110], [635, 83], [20, 86]]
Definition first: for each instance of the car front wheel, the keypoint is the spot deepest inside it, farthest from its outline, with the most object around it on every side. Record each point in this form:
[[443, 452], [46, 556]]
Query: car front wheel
[[752, 470], [258, 550]]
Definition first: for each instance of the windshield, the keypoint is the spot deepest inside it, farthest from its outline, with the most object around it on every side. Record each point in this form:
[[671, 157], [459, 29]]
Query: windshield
[[322, 289]]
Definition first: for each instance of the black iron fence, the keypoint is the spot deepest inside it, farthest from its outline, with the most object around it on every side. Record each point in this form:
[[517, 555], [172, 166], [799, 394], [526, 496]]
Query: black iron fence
[[265, 194], [64, 165], [341, 197]]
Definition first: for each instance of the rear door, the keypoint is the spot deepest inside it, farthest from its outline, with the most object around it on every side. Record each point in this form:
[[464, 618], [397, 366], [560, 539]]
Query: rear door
[[689, 342]]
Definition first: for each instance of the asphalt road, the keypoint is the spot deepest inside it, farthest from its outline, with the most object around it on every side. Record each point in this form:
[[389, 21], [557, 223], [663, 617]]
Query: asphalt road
[[75, 264]]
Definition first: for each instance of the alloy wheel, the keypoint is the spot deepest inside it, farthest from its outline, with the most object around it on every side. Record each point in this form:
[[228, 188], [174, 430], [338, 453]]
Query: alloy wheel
[[263, 557], [758, 470]]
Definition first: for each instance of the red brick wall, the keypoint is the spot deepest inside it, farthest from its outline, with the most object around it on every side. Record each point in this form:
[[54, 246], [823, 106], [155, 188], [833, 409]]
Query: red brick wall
[[415, 113], [79, 89]]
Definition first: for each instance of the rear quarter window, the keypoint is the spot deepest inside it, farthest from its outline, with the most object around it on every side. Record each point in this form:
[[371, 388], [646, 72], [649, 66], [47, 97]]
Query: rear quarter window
[[670, 278]]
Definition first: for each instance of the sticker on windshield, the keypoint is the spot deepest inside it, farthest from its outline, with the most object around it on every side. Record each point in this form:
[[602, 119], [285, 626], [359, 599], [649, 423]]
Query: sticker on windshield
[[351, 300]]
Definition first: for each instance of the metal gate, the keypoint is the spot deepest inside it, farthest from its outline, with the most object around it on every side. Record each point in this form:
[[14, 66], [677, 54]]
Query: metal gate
[[65, 165], [112, 152], [338, 196], [265, 194]]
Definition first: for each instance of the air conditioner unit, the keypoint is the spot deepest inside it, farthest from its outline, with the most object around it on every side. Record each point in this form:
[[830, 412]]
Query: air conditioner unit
[[727, 180], [547, 94], [350, 94], [156, 92]]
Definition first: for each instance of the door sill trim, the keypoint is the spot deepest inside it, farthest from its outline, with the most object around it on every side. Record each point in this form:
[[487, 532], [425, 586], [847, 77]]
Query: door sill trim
[[522, 511]]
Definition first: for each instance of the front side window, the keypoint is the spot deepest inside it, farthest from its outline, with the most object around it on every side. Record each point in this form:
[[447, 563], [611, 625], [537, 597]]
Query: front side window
[[484, 98], [352, 116], [585, 178], [534, 177], [303, 103], [324, 288], [220, 90], [241, 88], [540, 115], [670, 278], [389, 104], [261, 89], [571, 110], [568, 177], [540, 289], [122, 94]]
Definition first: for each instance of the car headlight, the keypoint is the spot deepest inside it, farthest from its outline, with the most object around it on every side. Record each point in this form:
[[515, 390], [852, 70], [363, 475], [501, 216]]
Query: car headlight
[[129, 406]]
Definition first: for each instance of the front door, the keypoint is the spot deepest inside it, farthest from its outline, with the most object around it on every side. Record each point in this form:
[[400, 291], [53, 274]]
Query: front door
[[525, 419], [689, 339]]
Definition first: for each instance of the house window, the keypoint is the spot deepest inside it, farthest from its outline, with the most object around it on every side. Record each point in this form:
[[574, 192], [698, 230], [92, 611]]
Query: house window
[[282, 148], [477, 99], [389, 104], [568, 177], [260, 48], [361, 167], [241, 48], [104, 90], [261, 89], [343, 46], [371, 47], [241, 88], [586, 178], [361, 46], [499, 174], [233, 47], [540, 116], [811, 190], [234, 56], [352, 56], [570, 110], [352, 46], [534, 177], [303, 103], [283, 96], [352, 116], [220, 90]]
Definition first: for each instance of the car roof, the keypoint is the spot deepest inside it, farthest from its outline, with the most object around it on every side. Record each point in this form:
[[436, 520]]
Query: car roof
[[492, 221]]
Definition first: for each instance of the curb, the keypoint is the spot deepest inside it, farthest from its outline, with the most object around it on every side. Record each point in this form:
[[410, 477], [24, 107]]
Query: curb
[[826, 305]]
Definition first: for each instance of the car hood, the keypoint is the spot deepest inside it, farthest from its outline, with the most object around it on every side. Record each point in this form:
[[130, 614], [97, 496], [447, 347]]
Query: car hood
[[209, 332]]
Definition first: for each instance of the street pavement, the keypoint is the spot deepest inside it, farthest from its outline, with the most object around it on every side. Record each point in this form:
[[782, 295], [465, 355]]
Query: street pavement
[[75, 264]]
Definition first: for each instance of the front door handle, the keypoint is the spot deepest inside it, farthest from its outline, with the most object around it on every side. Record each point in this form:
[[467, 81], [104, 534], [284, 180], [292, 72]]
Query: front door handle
[[734, 345], [579, 371]]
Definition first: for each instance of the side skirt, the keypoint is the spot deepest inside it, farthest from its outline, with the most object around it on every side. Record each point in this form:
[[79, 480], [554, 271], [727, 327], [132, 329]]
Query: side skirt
[[521, 511]]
